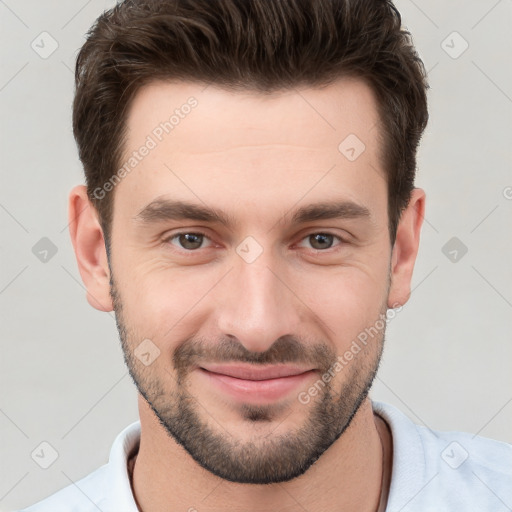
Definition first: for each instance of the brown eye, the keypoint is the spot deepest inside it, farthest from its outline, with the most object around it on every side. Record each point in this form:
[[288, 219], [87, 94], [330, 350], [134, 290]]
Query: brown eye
[[188, 241], [321, 240]]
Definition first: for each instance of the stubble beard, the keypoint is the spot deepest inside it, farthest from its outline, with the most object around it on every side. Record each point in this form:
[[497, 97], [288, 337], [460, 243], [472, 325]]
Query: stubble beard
[[265, 459]]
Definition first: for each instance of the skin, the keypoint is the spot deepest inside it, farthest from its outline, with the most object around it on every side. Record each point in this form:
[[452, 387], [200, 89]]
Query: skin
[[258, 158]]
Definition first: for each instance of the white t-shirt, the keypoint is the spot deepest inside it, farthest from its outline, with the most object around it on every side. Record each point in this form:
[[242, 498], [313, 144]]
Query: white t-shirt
[[432, 472]]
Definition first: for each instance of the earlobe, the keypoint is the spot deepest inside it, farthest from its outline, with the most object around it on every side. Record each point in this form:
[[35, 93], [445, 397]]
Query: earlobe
[[405, 249], [89, 245]]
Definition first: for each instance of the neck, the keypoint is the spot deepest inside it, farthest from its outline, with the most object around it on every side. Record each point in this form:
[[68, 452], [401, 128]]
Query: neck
[[348, 476]]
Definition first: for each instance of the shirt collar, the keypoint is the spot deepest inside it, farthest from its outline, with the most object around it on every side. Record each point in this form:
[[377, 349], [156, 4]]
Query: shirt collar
[[120, 496]]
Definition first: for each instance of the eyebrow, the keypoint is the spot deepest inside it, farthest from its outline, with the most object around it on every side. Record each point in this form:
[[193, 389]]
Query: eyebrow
[[162, 210]]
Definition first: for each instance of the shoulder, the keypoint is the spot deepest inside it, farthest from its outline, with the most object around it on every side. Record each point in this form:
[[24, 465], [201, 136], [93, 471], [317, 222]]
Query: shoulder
[[107, 488], [84, 495], [468, 469], [452, 471]]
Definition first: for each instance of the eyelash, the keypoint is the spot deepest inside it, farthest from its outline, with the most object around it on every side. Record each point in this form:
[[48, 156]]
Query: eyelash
[[341, 240]]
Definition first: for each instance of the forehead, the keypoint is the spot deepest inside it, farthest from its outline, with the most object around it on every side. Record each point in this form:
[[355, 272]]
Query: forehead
[[346, 106], [207, 141]]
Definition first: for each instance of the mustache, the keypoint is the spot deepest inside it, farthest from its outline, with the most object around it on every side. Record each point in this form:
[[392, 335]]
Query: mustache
[[286, 349]]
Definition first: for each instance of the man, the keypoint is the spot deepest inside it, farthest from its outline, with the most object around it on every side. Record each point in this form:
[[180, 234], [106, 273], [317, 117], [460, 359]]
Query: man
[[250, 215]]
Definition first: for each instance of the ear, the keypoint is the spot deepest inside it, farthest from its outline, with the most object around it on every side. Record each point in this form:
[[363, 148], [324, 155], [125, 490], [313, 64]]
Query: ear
[[89, 245], [405, 249]]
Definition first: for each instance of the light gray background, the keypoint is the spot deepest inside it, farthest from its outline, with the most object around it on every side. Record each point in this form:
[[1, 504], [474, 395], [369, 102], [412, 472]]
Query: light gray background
[[447, 363]]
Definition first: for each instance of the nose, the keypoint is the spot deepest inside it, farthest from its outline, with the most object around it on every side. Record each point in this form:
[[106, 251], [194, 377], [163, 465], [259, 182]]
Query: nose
[[258, 305]]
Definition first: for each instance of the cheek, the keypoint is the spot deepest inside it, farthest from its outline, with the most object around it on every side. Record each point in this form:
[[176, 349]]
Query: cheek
[[347, 301], [169, 304], [166, 304]]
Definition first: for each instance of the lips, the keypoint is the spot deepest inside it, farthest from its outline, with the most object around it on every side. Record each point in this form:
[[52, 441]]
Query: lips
[[255, 384], [252, 372]]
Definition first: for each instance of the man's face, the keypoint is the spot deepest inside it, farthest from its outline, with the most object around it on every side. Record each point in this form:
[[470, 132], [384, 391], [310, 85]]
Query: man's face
[[245, 316]]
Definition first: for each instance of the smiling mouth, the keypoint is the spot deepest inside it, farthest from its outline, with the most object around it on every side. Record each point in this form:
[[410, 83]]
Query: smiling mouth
[[256, 384]]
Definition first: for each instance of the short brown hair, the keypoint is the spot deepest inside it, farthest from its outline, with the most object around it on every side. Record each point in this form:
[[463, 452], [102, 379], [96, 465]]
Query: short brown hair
[[257, 45]]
